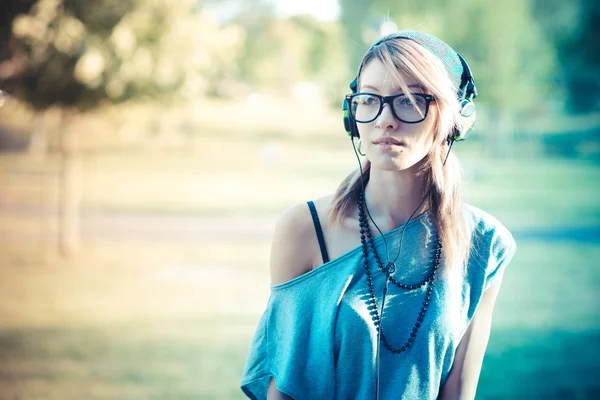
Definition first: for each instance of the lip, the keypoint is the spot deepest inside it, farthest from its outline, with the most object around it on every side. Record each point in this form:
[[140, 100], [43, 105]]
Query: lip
[[388, 141]]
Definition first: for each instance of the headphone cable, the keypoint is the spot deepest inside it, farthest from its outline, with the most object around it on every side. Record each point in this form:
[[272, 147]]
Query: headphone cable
[[387, 276]]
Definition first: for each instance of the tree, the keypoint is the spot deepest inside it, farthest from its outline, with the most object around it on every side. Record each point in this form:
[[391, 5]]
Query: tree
[[280, 52], [77, 55], [354, 17], [54, 57], [574, 29]]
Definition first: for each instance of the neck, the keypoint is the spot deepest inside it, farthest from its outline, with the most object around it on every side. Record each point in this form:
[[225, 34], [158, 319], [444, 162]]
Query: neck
[[392, 196]]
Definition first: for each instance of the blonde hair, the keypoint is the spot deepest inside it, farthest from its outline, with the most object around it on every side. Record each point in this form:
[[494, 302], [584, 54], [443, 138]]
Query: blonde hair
[[406, 58]]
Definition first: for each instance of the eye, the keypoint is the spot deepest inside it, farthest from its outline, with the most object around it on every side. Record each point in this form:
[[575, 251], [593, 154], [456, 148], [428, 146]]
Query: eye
[[367, 100], [419, 100], [404, 101]]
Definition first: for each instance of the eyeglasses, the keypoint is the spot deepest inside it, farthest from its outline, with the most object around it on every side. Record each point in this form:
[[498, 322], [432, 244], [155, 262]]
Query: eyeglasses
[[367, 107]]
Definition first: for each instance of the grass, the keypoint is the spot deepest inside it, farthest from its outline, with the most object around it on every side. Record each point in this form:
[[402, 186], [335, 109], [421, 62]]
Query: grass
[[534, 192], [541, 363], [142, 360], [119, 323], [545, 339]]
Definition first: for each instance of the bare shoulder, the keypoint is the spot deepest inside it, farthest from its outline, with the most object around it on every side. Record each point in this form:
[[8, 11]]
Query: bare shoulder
[[295, 248]]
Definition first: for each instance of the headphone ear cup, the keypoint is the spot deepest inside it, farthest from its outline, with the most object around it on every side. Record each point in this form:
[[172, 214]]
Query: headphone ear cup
[[467, 118], [349, 124], [467, 108]]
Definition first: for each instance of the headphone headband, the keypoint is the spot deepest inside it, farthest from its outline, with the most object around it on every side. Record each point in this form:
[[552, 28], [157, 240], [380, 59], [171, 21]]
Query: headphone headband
[[468, 89]]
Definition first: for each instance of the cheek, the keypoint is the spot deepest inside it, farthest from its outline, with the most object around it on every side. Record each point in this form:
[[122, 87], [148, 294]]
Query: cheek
[[430, 131], [425, 143], [425, 135], [365, 130]]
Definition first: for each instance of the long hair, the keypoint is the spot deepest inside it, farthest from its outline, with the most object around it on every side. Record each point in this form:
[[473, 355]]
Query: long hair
[[406, 58]]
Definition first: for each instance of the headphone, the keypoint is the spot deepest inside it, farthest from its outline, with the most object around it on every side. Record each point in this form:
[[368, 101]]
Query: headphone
[[466, 93]]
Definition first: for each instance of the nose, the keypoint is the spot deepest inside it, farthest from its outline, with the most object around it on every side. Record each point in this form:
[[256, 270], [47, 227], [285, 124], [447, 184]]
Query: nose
[[386, 120]]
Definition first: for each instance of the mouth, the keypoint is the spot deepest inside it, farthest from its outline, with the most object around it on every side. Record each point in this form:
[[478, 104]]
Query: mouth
[[388, 141]]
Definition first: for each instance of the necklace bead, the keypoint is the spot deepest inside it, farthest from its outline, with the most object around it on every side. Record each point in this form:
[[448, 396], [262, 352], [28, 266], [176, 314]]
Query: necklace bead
[[389, 269]]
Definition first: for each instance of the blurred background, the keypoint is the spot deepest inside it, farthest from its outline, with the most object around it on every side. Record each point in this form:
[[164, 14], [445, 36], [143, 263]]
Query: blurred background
[[148, 146]]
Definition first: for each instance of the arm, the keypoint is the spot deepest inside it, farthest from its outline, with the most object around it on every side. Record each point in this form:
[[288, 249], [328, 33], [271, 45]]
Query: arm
[[274, 394], [464, 375], [294, 245], [292, 254]]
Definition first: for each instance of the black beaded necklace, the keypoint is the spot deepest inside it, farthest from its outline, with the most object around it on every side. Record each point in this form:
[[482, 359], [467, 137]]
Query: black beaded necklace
[[367, 237]]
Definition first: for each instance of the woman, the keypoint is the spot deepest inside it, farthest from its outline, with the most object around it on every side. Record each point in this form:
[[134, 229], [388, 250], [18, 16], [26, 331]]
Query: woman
[[359, 314]]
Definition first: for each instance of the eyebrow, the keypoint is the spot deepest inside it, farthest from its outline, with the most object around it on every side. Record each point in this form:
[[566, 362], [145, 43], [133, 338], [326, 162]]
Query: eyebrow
[[376, 89]]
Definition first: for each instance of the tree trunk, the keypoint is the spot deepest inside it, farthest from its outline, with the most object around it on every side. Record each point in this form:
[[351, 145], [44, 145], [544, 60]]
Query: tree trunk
[[69, 189], [38, 143]]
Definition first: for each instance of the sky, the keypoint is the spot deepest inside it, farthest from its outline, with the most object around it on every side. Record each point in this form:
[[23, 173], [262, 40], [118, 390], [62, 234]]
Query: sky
[[326, 10]]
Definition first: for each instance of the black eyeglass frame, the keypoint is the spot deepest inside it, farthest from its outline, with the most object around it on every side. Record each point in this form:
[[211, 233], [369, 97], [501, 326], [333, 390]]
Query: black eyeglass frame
[[389, 100]]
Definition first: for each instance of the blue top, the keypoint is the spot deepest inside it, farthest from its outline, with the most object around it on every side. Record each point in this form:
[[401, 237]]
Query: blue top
[[317, 339]]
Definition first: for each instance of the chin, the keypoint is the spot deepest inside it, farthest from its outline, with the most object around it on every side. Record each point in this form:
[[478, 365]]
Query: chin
[[394, 164]]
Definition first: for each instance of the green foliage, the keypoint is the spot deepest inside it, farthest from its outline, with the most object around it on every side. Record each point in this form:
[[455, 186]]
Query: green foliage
[[354, 15], [53, 46], [574, 28], [10, 9], [524, 53], [279, 53], [77, 53]]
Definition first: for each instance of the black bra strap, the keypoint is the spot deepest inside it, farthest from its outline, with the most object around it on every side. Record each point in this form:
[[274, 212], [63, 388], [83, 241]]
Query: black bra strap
[[315, 217]]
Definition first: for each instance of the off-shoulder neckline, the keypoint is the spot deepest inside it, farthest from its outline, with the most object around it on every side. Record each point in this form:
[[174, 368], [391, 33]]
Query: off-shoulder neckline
[[324, 267]]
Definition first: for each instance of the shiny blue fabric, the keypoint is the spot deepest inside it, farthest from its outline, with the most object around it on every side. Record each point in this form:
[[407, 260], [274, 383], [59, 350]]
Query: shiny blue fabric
[[317, 339]]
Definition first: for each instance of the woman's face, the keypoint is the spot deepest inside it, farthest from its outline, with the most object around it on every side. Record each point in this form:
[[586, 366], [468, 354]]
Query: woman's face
[[389, 143]]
